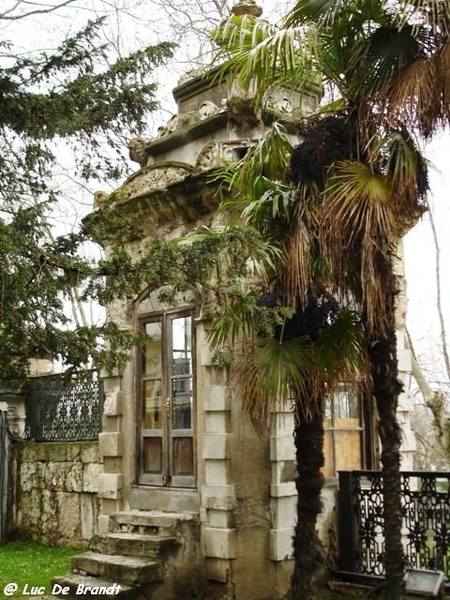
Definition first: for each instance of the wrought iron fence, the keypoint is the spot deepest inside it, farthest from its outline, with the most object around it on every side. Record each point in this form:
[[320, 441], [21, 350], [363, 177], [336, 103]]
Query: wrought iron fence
[[426, 521], [3, 469], [61, 409]]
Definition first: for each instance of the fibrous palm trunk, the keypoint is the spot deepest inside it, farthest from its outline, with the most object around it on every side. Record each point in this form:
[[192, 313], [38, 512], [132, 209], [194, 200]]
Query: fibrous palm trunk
[[386, 389], [308, 550]]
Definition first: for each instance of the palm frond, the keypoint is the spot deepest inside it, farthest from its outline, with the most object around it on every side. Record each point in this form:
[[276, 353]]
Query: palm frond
[[271, 371], [359, 224], [324, 12], [412, 95], [434, 14], [340, 349], [234, 318], [298, 264], [356, 201], [259, 56], [379, 56], [261, 173], [398, 156]]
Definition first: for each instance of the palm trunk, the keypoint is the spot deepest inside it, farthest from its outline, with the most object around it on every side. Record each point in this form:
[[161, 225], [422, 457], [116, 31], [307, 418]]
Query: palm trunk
[[386, 389], [308, 550]]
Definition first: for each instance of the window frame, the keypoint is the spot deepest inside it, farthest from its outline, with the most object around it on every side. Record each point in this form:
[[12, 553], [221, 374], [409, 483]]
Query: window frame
[[167, 433]]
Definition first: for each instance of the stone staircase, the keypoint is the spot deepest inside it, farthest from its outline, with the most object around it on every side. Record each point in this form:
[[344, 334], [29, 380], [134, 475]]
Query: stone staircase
[[141, 554]]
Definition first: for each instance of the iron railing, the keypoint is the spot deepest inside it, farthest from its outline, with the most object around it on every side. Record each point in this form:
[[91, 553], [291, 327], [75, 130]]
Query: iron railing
[[426, 521], [61, 409]]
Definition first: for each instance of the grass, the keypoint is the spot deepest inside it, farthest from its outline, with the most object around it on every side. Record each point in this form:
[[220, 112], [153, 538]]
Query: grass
[[32, 565]]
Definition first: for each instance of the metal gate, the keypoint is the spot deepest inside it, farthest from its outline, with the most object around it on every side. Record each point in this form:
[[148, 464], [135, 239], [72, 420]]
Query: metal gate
[[3, 470]]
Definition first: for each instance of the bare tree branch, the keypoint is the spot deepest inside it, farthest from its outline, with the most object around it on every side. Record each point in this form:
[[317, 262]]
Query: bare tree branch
[[435, 400], [443, 333], [40, 9]]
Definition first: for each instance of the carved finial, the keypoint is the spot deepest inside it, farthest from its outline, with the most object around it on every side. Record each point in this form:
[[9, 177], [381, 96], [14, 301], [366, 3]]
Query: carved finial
[[246, 7]]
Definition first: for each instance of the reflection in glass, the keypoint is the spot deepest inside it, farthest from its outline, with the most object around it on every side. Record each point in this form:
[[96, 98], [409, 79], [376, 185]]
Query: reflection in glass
[[181, 346], [152, 455], [152, 404], [181, 403], [183, 456], [152, 350]]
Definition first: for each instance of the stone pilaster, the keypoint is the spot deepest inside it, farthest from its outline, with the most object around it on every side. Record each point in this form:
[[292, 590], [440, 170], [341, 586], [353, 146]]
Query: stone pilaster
[[111, 481], [282, 489], [218, 493]]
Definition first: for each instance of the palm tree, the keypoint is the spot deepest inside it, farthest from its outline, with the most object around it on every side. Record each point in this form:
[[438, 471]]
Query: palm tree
[[291, 340], [360, 177], [297, 354]]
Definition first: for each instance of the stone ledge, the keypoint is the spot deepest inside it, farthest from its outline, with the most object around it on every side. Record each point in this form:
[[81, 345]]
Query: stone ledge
[[110, 443], [110, 485], [113, 404], [216, 398], [281, 544], [216, 445], [219, 543], [219, 497], [283, 489], [282, 447]]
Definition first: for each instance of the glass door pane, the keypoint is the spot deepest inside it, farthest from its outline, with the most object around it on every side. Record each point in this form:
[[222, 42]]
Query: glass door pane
[[181, 422], [182, 403], [153, 424]]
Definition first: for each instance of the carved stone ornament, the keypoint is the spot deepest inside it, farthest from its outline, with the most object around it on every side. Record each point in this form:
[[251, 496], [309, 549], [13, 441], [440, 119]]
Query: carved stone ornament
[[207, 109], [136, 148], [155, 177], [215, 154], [173, 123], [246, 7]]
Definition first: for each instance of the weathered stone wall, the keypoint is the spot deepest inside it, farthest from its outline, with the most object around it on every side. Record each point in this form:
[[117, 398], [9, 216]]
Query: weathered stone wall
[[53, 491]]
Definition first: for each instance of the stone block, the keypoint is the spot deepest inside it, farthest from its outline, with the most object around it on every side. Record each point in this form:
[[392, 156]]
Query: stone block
[[87, 510], [219, 518], [217, 422], [110, 486], [219, 497], [215, 398], [283, 489], [74, 478], [69, 515], [404, 360], [28, 476], [89, 452], [110, 443], [216, 472], [219, 543], [205, 355], [91, 474], [103, 524], [283, 512], [281, 544], [217, 569], [113, 403], [216, 445], [282, 447]]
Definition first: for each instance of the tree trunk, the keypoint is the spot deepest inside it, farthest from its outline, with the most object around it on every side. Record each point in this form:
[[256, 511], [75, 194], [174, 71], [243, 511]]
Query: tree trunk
[[308, 550], [386, 389]]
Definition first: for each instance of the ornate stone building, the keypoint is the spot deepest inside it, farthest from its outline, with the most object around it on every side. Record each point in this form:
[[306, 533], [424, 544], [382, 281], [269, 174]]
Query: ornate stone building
[[191, 497]]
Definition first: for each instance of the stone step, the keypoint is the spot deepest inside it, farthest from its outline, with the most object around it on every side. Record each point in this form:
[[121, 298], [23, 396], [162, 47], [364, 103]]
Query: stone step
[[134, 544], [117, 568], [150, 522], [82, 586]]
